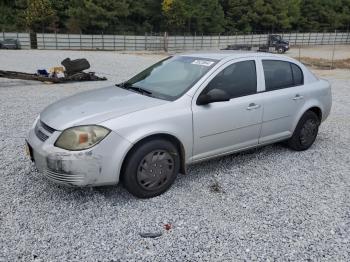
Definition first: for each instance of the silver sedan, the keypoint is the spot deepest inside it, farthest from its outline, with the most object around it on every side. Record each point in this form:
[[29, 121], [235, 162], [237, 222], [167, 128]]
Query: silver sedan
[[181, 110]]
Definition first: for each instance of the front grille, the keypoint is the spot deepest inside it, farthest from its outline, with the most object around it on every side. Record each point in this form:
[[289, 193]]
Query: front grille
[[63, 177], [43, 131], [40, 134], [47, 128]]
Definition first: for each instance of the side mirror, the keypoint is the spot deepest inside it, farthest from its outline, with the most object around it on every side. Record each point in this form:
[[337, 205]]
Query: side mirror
[[214, 95]]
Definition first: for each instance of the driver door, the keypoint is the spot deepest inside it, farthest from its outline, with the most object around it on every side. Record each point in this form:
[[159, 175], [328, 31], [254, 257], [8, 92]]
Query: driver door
[[224, 127]]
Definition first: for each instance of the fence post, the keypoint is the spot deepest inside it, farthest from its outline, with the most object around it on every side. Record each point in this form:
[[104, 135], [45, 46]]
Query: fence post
[[219, 41], [333, 53], [68, 41], [184, 43], [43, 36], [103, 41], [335, 37], [80, 41], [341, 39], [194, 39], [124, 42], [113, 41], [329, 39], [202, 42], [56, 44], [146, 41], [322, 38], [165, 41], [175, 46], [135, 42]]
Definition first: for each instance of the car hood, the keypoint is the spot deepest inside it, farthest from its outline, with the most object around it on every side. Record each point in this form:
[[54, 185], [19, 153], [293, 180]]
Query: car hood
[[95, 106]]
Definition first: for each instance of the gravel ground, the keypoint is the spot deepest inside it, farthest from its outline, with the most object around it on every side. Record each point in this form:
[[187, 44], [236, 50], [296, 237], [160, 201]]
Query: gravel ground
[[325, 52], [268, 204]]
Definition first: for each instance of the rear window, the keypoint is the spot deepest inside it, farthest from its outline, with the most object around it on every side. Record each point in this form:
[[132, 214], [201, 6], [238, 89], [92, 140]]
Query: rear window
[[281, 74], [297, 75]]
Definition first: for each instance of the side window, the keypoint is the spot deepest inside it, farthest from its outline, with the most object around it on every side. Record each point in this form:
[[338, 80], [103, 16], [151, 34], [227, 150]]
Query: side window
[[278, 74], [297, 75], [281, 74], [238, 79]]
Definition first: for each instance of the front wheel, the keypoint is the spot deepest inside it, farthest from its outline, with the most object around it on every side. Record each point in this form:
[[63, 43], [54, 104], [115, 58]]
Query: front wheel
[[306, 132], [151, 168]]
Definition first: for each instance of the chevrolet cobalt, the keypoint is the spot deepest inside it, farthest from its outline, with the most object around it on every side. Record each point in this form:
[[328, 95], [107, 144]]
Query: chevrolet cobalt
[[181, 110]]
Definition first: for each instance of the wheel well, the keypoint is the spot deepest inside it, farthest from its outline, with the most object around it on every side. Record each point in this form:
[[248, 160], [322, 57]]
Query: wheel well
[[317, 111], [167, 137]]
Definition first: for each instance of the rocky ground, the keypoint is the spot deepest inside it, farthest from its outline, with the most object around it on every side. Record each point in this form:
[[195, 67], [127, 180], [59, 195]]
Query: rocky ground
[[270, 204]]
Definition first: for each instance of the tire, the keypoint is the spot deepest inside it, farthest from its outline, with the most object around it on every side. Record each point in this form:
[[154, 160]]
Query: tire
[[305, 133], [281, 50], [151, 168]]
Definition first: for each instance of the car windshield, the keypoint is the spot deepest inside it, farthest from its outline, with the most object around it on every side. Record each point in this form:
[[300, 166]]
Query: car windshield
[[170, 78]]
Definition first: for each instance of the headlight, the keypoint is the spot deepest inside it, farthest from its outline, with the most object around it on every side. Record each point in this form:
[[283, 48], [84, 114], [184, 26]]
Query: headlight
[[81, 137]]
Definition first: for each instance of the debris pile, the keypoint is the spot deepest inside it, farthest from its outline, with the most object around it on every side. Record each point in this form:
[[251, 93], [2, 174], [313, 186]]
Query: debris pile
[[70, 71]]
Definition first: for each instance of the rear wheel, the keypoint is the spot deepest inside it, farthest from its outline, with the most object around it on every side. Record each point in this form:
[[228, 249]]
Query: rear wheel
[[281, 50], [306, 132], [151, 168]]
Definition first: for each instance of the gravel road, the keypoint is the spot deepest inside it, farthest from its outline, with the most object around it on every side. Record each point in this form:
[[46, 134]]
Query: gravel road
[[270, 204], [325, 52]]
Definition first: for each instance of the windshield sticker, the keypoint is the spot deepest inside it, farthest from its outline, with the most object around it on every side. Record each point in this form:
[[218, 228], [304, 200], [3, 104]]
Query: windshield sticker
[[202, 62]]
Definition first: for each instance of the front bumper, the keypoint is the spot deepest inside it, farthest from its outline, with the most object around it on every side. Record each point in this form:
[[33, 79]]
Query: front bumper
[[96, 166]]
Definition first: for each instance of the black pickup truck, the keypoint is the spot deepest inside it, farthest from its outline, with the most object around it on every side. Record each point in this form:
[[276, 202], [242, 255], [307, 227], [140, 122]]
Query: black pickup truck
[[275, 43]]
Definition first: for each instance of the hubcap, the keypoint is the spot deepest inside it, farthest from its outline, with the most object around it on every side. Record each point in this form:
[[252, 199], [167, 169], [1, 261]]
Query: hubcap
[[155, 169], [308, 132]]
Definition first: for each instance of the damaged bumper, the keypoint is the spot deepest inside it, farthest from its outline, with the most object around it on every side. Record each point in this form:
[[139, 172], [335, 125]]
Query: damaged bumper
[[99, 165]]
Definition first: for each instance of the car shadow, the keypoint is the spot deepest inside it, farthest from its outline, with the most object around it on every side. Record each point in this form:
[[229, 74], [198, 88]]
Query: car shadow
[[116, 194]]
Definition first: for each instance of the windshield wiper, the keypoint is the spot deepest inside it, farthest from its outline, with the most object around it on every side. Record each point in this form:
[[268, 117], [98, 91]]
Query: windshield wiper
[[134, 88]]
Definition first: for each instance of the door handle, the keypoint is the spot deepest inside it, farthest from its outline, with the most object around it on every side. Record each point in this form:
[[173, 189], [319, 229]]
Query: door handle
[[298, 97], [253, 106]]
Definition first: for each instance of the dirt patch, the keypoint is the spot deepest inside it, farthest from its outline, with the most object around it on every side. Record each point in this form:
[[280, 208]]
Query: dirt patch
[[321, 63]]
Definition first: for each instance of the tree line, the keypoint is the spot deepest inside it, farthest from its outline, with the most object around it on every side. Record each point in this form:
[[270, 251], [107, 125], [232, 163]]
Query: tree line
[[173, 16]]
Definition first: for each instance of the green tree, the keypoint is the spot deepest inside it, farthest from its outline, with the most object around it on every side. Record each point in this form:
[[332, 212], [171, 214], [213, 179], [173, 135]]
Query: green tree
[[175, 16], [144, 16], [91, 16], [274, 15], [324, 14], [61, 9], [238, 15], [39, 14], [7, 15], [201, 16]]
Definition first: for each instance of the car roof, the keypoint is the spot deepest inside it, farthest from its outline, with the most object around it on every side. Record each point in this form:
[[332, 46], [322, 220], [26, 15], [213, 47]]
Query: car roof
[[223, 55]]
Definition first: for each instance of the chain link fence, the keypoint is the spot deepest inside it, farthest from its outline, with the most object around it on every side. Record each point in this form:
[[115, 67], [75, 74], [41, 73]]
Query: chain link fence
[[165, 42]]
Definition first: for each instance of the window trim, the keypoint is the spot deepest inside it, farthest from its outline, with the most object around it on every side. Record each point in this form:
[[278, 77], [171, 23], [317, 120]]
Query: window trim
[[290, 65]]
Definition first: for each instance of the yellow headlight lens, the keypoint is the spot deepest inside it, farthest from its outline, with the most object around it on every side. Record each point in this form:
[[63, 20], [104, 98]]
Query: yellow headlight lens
[[81, 137]]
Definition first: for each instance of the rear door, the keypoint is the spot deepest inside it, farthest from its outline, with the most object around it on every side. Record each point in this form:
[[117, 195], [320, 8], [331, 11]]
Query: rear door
[[223, 127], [282, 98]]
